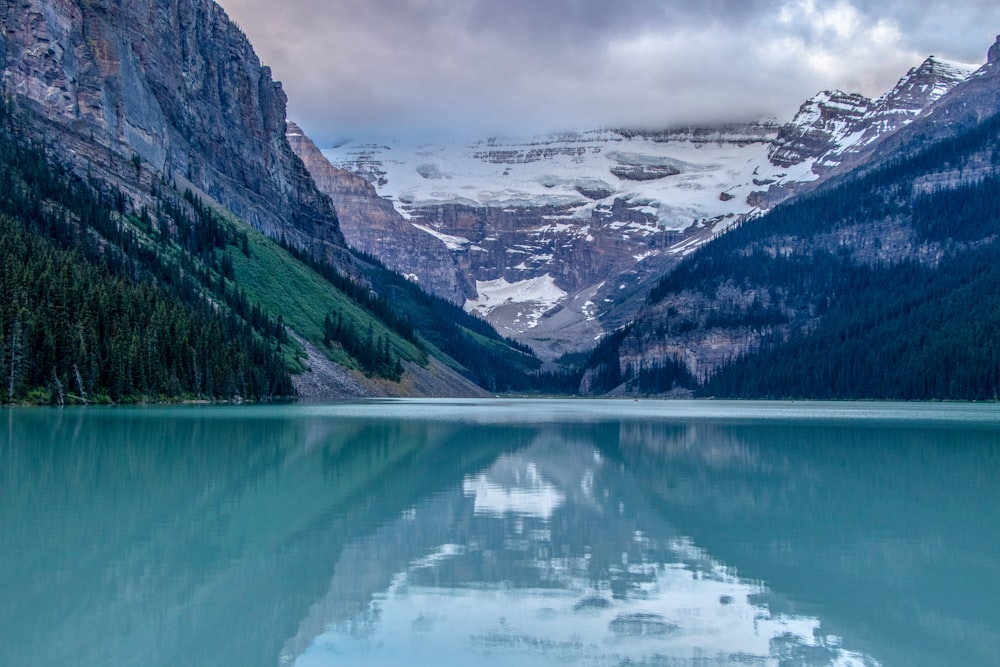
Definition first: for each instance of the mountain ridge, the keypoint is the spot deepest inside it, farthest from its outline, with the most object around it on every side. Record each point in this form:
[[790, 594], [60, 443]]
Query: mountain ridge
[[875, 282], [553, 239]]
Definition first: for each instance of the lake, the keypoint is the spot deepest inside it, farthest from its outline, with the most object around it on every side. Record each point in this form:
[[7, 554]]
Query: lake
[[501, 532]]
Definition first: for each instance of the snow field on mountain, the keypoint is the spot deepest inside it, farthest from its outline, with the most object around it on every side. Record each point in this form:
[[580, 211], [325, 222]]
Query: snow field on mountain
[[532, 299], [575, 171]]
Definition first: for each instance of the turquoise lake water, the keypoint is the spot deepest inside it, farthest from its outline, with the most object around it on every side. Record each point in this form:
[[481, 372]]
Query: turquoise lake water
[[501, 532]]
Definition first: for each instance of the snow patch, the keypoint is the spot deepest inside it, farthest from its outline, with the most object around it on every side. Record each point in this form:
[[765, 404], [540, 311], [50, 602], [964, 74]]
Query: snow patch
[[530, 298], [450, 242]]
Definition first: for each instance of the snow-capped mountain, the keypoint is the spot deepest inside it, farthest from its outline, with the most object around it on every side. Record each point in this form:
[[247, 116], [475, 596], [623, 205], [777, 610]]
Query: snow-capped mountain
[[934, 176], [554, 238], [674, 178], [565, 225], [833, 126]]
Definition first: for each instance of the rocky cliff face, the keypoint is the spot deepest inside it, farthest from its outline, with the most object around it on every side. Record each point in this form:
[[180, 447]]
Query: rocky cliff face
[[832, 129], [915, 92], [370, 223], [173, 85], [545, 277], [821, 126]]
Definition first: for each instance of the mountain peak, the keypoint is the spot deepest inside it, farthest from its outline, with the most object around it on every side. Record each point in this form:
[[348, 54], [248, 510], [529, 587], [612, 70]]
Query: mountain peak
[[921, 86], [993, 55], [819, 126], [939, 66], [833, 123]]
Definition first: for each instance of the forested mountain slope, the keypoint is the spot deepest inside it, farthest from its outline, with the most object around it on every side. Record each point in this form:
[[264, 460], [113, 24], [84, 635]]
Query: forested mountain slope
[[881, 284], [92, 311], [162, 241]]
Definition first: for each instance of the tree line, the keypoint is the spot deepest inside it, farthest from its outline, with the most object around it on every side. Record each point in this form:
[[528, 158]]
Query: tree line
[[91, 312]]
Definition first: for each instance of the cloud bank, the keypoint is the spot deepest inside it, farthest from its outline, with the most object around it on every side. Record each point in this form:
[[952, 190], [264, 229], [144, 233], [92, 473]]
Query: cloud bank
[[394, 68]]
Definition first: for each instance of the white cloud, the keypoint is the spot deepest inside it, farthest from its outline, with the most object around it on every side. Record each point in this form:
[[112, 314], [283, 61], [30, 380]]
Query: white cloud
[[392, 67], [838, 45]]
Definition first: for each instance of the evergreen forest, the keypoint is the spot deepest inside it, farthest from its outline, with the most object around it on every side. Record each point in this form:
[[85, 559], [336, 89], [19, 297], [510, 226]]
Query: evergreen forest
[[89, 313]]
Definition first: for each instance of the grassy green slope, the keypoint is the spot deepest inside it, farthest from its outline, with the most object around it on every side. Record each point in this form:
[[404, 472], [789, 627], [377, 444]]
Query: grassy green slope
[[461, 340], [282, 285]]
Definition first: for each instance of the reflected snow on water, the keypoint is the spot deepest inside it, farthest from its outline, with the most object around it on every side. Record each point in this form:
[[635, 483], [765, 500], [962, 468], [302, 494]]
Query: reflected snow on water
[[547, 573]]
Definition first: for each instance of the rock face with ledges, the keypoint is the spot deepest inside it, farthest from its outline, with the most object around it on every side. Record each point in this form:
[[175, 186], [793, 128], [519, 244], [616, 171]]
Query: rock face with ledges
[[175, 85], [822, 124], [372, 225], [833, 125], [916, 91]]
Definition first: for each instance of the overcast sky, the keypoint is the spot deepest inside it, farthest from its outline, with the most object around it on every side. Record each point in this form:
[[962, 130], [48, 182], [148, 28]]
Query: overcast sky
[[400, 68]]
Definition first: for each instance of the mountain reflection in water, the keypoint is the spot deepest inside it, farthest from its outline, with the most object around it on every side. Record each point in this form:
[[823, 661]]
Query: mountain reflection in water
[[561, 561], [501, 532]]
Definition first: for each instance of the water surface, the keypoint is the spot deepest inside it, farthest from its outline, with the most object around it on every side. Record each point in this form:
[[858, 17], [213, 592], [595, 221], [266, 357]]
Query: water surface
[[501, 533]]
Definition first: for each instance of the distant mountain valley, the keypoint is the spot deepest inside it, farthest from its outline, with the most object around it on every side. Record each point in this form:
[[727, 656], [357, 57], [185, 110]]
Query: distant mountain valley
[[556, 239]]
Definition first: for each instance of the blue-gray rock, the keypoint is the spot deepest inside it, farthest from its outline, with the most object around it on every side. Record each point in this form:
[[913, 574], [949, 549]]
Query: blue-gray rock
[[174, 83]]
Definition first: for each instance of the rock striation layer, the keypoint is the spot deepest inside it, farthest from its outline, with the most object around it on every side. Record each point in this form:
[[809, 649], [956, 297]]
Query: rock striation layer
[[371, 224], [169, 88], [821, 126]]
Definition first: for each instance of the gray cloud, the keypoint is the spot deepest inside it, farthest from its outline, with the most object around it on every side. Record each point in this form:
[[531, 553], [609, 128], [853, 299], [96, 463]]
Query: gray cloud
[[369, 68]]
